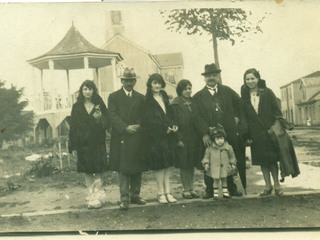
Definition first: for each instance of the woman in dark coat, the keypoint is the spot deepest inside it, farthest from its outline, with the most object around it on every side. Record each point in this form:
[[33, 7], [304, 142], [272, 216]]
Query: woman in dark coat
[[159, 130], [87, 138], [261, 109], [185, 150]]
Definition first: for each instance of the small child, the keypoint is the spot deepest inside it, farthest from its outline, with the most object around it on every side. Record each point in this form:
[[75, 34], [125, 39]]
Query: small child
[[219, 161]]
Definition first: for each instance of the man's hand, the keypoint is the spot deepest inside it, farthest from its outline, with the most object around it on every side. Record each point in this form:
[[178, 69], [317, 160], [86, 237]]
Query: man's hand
[[74, 153], [180, 144], [237, 120], [131, 129], [206, 140]]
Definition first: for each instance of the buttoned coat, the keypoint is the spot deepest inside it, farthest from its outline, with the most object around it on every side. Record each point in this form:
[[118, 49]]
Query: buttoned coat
[[185, 157], [126, 150], [203, 117], [263, 150], [218, 158]]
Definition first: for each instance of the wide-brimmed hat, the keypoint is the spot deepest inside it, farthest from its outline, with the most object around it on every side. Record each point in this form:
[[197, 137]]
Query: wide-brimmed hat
[[210, 68], [129, 73]]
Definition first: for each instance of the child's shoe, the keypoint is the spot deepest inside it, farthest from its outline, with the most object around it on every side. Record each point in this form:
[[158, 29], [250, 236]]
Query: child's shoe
[[215, 193], [225, 193]]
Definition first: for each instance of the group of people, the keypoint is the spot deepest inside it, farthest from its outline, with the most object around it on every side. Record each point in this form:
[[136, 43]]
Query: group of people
[[208, 131]]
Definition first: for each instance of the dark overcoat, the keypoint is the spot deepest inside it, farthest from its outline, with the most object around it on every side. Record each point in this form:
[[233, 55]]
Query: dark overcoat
[[204, 117], [88, 137], [159, 145], [182, 115], [126, 150], [263, 151]]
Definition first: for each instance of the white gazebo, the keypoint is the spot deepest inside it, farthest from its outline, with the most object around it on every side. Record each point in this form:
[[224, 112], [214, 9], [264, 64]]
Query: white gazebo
[[71, 53]]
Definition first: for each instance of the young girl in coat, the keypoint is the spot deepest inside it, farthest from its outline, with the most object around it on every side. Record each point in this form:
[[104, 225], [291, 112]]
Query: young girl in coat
[[219, 161]]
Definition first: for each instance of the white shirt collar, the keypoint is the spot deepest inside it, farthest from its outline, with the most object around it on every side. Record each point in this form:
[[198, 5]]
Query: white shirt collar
[[127, 92]]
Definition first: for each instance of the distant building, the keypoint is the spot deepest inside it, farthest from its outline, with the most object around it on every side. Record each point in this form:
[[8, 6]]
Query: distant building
[[300, 100], [169, 65]]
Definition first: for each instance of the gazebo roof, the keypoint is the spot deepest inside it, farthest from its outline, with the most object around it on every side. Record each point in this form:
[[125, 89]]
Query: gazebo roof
[[70, 51]]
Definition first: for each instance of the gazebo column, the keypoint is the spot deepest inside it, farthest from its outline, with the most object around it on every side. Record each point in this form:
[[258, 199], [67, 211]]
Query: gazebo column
[[42, 92], [114, 74], [51, 70], [69, 94], [98, 81]]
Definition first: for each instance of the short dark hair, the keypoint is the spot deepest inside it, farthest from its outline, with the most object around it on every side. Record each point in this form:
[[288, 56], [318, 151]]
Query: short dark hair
[[182, 85], [156, 77], [89, 84]]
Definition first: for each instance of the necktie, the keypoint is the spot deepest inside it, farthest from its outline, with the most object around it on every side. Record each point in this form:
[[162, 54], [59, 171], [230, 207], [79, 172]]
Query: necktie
[[129, 94]]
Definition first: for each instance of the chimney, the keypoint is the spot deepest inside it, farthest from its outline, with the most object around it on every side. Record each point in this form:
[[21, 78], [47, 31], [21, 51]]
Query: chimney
[[114, 24]]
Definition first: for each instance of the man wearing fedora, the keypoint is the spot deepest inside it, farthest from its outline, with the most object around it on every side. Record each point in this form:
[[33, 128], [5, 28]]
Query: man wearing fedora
[[126, 148], [217, 104]]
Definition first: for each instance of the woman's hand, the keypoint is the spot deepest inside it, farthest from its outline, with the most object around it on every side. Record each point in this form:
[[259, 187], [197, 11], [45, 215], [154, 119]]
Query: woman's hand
[[206, 140], [206, 167], [131, 129], [173, 129], [97, 112]]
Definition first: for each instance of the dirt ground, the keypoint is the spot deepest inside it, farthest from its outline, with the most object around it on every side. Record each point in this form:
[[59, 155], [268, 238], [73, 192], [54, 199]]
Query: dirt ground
[[22, 194]]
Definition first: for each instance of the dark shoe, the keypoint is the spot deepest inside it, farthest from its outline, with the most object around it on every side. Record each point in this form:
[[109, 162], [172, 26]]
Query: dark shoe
[[194, 194], [207, 196], [236, 194], [138, 200], [278, 192], [187, 195], [266, 192], [124, 205]]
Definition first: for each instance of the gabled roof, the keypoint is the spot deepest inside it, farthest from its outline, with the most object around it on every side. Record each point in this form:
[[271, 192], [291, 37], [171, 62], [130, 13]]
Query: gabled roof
[[118, 36], [73, 43], [311, 75], [170, 59], [315, 96]]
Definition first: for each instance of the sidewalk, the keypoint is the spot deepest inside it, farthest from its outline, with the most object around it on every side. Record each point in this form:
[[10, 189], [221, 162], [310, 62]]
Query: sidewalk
[[64, 199]]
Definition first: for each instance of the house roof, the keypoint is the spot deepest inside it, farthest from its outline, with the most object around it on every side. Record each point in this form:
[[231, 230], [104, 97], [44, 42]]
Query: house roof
[[311, 81], [170, 59], [73, 45], [315, 96], [311, 75]]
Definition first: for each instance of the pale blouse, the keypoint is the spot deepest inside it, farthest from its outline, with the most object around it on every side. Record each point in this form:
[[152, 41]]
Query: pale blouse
[[255, 99], [160, 101]]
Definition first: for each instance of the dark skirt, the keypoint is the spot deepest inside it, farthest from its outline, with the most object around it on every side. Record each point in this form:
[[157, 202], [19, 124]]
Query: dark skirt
[[92, 159], [264, 152]]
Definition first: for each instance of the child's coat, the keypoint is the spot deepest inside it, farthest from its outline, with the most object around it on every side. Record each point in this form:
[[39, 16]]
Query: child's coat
[[218, 159]]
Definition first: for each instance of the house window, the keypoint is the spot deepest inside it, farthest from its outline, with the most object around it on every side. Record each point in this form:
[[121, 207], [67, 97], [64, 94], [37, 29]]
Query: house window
[[290, 95], [116, 17]]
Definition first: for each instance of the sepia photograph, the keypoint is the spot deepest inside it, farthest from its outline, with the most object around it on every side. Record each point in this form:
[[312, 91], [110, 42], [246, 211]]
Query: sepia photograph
[[160, 117]]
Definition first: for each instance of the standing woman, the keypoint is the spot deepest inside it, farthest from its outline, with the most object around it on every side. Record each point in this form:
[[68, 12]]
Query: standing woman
[[261, 109], [185, 149], [159, 128], [88, 140]]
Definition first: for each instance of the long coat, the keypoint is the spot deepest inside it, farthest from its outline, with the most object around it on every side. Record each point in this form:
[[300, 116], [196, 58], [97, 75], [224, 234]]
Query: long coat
[[218, 158], [182, 115], [88, 137], [159, 145], [126, 150], [204, 118], [263, 150]]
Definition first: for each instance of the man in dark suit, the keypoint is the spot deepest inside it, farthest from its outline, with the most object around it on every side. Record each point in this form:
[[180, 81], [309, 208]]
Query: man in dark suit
[[126, 147], [214, 104]]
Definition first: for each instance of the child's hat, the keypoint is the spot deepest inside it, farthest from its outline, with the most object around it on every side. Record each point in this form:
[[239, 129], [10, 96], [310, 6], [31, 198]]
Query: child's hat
[[218, 131]]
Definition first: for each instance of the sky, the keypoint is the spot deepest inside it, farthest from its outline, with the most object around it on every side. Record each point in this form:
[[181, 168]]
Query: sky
[[287, 49]]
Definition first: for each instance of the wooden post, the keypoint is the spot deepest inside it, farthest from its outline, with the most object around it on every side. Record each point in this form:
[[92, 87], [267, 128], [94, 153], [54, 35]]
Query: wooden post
[[60, 155], [68, 156], [69, 94]]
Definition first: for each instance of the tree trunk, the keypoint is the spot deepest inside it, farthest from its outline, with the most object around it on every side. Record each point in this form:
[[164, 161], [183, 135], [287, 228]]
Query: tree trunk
[[215, 52]]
